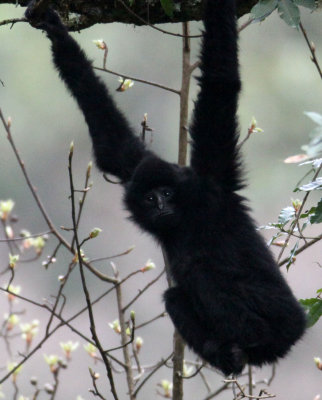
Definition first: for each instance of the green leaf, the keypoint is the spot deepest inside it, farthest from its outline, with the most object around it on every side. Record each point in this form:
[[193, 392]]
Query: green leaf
[[168, 7], [308, 213], [317, 217], [312, 185], [315, 117], [311, 4], [263, 9], [292, 254], [314, 309], [289, 12], [286, 215], [314, 148], [276, 236]]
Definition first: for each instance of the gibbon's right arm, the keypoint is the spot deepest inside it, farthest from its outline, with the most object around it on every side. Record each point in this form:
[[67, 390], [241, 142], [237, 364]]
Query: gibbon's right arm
[[214, 128], [117, 150]]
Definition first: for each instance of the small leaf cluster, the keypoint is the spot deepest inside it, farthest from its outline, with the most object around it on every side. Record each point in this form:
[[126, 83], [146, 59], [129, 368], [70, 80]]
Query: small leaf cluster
[[288, 10], [313, 307], [295, 218]]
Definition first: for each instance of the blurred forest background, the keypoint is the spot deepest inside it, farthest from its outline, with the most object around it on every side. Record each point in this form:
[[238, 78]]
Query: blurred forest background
[[279, 84]]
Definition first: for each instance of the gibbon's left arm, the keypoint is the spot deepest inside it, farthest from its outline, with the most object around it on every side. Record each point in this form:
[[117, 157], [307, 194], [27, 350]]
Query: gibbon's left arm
[[214, 125], [117, 150]]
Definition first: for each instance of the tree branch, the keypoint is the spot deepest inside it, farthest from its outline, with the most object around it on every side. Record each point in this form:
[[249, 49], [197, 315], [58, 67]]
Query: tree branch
[[89, 12]]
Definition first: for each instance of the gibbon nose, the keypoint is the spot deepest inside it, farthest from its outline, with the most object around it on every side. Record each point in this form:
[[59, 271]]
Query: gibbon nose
[[160, 203]]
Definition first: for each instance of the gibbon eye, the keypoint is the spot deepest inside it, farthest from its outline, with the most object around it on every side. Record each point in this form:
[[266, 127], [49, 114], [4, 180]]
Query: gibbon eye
[[149, 198], [167, 193]]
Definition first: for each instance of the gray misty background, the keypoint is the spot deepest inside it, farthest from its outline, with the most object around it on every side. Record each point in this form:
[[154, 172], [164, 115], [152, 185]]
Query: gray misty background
[[279, 83]]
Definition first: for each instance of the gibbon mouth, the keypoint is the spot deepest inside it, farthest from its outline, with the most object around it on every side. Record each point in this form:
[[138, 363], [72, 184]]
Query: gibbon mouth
[[164, 213]]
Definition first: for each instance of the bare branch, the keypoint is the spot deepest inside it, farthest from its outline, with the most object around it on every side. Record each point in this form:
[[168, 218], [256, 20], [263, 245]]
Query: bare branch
[[158, 85], [311, 46], [83, 280]]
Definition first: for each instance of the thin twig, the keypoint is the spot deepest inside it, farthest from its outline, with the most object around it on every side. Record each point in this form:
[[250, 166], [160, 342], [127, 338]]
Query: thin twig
[[158, 85], [250, 379], [20, 238], [158, 366], [114, 256], [153, 26], [95, 391], [60, 290], [218, 391], [84, 284], [270, 380], [298, 215], [82, 200], [35, 349], [126, 355], [248, 396], [245, 25], [126, 343], [143, 290], [26, 176], [195, 373], [204, 380], [12, 21], [299, 250], [63, 321], [312, 49], [163, 314], [42, 208]]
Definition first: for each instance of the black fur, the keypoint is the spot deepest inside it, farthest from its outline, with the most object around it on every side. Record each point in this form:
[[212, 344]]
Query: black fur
[[230, 303]]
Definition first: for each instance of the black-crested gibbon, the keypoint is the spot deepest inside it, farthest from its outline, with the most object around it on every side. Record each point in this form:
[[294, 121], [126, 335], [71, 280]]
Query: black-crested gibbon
[[230, 302]]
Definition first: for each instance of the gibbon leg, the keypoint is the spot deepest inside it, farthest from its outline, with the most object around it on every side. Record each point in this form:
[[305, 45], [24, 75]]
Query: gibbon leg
[[228, 357], [180, 309]]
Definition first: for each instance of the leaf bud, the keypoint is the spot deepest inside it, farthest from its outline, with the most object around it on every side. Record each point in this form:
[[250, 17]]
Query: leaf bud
[[11, 321], [96, 375], [13, 290], [49, 388], [148, 266], [318, 362], [52, 360], [296, 203], [13, 259], [68, 348], [132, 316], [29, 331], [89, 169], [13, 366], [91, 350], [138, 343], [34, 380], [100, 44], [253, 127], [167, 388], [71, 148], [6, 207], [279, 243], [296, 158], [115, 325], [187, 371], [95, 232], [125, 84], [9, 232]]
